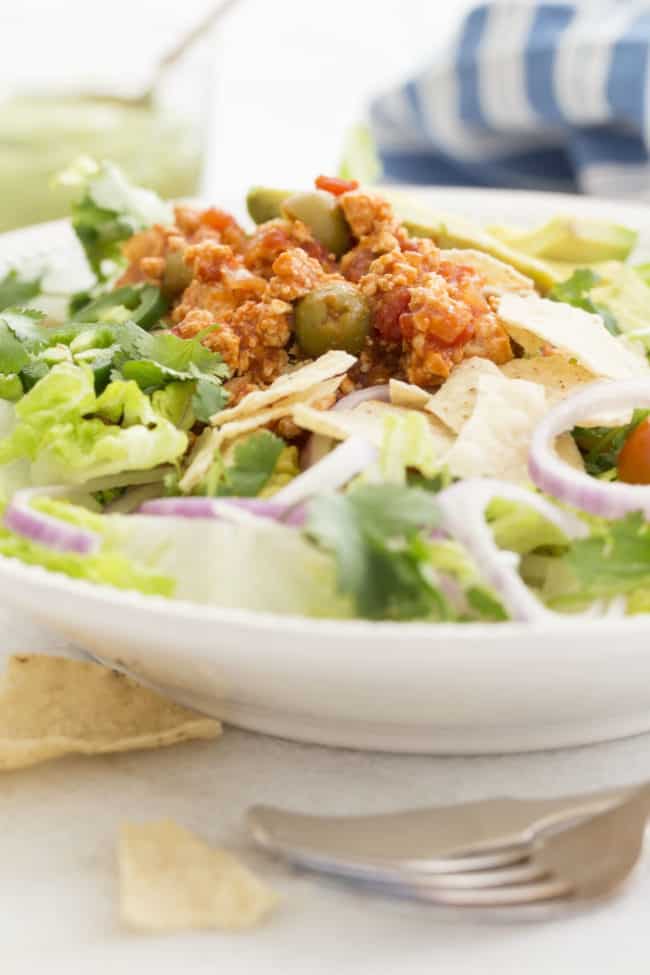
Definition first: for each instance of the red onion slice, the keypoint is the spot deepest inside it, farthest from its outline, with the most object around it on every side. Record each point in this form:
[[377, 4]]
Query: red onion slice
[[379, 393], [553, 476], [44, 529], [212, 507], [317, 445], [351, 457], [462, 509]]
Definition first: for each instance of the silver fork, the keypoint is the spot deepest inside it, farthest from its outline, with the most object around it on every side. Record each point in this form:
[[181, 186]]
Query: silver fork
[[442, 839], [574, 864]]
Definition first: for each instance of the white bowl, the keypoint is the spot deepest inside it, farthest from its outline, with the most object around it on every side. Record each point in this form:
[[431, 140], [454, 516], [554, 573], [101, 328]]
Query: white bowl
[[396, 687]]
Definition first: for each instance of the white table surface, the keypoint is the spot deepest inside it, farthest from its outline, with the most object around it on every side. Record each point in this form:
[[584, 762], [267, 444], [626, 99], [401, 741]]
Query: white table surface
[[58, 831]]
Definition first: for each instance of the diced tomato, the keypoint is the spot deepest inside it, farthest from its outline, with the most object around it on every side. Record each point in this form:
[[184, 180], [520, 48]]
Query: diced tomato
[[217, 219], [336, 185], [390, 306], [634, 459]]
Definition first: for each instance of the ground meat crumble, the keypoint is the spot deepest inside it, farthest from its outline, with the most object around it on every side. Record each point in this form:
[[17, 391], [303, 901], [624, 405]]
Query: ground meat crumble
[[427, 314]]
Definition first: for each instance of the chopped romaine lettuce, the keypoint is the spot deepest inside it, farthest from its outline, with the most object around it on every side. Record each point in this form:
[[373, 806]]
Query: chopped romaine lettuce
[[408, 445], [577, 291], [70, 435]]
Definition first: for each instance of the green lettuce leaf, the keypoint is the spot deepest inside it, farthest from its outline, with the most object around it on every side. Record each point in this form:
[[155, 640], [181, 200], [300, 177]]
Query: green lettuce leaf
[[577, 291], [70, 435], [407, 445]]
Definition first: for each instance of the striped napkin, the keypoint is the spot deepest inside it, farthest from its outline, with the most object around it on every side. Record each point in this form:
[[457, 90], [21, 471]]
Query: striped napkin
[[551, 96]]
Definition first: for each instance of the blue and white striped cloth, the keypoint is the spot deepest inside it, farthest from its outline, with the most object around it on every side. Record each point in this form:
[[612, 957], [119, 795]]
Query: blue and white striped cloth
[[552, 96]]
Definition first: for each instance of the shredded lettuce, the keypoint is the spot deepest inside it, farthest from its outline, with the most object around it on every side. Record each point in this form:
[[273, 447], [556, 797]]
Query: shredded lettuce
[[407, 445]]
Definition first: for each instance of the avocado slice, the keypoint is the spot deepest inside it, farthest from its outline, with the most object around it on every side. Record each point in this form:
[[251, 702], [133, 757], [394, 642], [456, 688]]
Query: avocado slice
[[450, 231], [574, 240]]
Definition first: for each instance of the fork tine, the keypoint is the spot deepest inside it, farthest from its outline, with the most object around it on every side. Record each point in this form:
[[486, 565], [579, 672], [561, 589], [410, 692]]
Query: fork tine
[[510, 895]]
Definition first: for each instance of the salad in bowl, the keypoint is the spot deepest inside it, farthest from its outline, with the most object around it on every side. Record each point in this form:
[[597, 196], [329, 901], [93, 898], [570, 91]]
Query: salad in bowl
[[350, 408]]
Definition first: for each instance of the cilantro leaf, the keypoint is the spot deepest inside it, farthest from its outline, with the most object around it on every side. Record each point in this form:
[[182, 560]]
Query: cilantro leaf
[[208, 400], [110, 211], [16, 290], [374, 533], [253, 464], [600, 446], [13, 356], [153, 360], [614, 559], [575, 291]]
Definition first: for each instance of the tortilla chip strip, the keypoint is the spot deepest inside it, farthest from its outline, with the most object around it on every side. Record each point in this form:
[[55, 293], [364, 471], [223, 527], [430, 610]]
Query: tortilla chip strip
[[454, 403], [408, 395], [557, 374], [334, 363], [211, 439], [170, 881], [494, 442], [499, 276], [55, 706], [365, 420], [578, 335]]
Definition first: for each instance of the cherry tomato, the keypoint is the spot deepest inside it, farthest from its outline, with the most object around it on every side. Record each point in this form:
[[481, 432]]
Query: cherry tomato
[[336, 185], [634, 458]]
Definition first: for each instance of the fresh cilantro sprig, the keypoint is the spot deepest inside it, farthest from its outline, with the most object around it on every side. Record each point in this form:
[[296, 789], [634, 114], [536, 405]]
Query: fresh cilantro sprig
[[376, 535], [16, 290], [253, 464], [614, 559], [109, 211], [600, 446], [576, 291]]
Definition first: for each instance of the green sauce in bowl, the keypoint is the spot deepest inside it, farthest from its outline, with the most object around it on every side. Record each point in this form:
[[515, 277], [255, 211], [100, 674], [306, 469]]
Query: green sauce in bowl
[[41, 134]]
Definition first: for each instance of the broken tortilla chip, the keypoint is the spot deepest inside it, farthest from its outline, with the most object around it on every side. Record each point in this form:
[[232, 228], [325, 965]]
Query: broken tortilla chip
[[566, 449], [365, 420], [455, 400], [54, 706], [211, 439], [494, 442], [576, 334], [498, 276], [407, 395], [334, 363], [170, 881], [557, 374]]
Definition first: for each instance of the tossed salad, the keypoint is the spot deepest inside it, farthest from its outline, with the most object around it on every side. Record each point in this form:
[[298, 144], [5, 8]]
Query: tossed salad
[[355, 409]]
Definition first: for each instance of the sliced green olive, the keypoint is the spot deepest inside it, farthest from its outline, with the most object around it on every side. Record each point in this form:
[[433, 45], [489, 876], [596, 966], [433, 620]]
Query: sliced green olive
[[321, 212], [264, 203], [334, 316], [176, 276]]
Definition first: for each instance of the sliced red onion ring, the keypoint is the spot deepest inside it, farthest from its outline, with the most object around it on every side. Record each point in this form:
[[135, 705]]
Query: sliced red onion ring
[[380, 393], [44, 529], [317, 444], [554, 476], [348, 459], [212, 507], [462, 508]]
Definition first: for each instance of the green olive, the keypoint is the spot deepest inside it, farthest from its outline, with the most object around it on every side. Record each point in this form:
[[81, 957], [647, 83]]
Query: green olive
[[321, 212], [334, 316], [176, 276], [264, 203]]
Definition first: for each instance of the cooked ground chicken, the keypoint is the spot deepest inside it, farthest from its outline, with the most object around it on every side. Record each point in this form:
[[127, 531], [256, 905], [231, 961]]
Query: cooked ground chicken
[[426, 314]]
